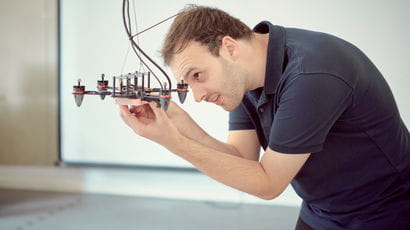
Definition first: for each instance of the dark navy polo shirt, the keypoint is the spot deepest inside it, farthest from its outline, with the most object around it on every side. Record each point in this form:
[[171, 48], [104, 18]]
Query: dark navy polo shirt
[[323, 96]]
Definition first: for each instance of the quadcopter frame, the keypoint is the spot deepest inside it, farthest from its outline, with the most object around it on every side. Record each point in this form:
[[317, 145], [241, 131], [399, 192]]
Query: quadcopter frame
[[126, 86]]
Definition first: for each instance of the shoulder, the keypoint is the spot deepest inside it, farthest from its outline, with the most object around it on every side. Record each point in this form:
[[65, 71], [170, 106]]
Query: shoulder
[[311, 52]]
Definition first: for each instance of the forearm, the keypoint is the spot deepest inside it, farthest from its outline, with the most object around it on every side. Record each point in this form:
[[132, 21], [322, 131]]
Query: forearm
[[245, 175], [200, 136], [190, 129]]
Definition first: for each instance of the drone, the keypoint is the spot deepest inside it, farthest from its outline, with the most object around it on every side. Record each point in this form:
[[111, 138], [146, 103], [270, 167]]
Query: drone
[[126, 85]]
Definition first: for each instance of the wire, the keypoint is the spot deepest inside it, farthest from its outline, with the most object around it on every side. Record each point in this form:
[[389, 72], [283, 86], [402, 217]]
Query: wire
[[138, 33], [132, 42], [125, 58], [135, 47], [141, 68]]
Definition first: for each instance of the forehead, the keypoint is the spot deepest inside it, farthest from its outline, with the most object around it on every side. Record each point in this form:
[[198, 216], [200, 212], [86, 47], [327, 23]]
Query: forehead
[[193, 56]]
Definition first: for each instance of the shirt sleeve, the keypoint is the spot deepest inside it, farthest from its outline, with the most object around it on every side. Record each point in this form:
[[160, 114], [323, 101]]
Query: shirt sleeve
[[239, 119], [308, 107]]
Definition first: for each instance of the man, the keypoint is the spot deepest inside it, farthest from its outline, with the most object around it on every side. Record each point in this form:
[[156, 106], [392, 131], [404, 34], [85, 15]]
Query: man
[[320, 109]]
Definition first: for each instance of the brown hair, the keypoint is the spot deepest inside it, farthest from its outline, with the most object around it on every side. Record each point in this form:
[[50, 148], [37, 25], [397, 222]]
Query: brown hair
[[205, 25]]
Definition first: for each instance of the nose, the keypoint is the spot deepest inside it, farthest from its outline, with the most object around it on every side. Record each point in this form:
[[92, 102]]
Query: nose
[[199, 94]]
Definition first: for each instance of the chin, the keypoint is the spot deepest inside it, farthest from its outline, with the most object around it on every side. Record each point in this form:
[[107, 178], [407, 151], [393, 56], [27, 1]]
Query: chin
[[229, 108]]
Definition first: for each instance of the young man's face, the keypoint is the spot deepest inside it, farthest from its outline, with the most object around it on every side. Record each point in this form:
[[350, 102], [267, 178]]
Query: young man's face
[[213, 79]]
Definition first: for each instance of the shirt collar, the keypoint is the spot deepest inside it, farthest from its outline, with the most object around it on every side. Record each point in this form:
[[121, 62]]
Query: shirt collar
[[275, 56]]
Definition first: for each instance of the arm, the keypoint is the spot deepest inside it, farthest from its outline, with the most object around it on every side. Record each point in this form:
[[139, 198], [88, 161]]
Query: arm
[[246, 142], [265, 179], [243, 143]]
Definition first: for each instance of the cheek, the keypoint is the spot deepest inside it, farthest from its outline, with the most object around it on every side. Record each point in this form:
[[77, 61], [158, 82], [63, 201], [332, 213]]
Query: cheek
[[196, 88]]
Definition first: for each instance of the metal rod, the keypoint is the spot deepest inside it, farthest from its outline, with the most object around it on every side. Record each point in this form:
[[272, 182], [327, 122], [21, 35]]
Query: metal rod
[[136, 81], [149, 80], [113, 87], [128, 83], [143, 88]]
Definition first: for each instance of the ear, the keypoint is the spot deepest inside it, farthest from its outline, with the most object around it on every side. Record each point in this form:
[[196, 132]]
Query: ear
[[229, 48]]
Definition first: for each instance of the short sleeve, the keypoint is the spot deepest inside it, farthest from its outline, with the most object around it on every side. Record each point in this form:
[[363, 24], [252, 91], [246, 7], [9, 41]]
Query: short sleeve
[[308, 107], [239, 119]]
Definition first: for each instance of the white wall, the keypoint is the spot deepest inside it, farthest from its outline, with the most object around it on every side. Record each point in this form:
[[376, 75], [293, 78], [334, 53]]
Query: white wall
[[94, 42]]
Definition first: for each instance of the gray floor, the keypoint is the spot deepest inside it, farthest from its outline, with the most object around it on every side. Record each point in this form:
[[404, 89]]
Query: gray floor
[[35, 210]]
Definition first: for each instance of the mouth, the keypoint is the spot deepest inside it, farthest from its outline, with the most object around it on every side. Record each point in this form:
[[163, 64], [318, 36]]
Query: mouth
[[217, 100]]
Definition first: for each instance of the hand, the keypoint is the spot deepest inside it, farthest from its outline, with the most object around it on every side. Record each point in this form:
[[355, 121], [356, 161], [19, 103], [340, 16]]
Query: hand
[[176, 115], [150, 122], [174, 111], [184, 123]]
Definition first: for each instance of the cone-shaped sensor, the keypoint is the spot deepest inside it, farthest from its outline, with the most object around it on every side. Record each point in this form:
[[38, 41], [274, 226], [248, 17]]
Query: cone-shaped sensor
[[78, 91], [182, 95], [102, 96], [182, 89], [78, 98]]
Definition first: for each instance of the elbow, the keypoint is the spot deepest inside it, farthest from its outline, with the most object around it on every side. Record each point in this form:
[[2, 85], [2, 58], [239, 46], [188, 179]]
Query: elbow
[[270, 192], [269, 195]]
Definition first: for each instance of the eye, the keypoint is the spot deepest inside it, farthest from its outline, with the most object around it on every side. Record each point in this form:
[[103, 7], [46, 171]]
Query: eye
[[197, 76]]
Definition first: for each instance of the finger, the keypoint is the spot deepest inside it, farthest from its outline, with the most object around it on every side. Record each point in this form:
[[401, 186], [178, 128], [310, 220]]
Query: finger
[[158, 111], [136, 109], [128, 117], [125, 113], [124, 109]]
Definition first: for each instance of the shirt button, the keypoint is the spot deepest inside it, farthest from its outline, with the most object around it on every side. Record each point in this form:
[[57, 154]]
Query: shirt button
[[261, 110]]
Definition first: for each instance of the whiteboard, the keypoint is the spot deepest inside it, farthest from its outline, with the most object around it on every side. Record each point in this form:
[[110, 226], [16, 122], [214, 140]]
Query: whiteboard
[[93, 41]]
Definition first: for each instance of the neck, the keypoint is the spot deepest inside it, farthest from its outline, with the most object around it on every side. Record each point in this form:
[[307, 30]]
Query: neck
[[256, 56]]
